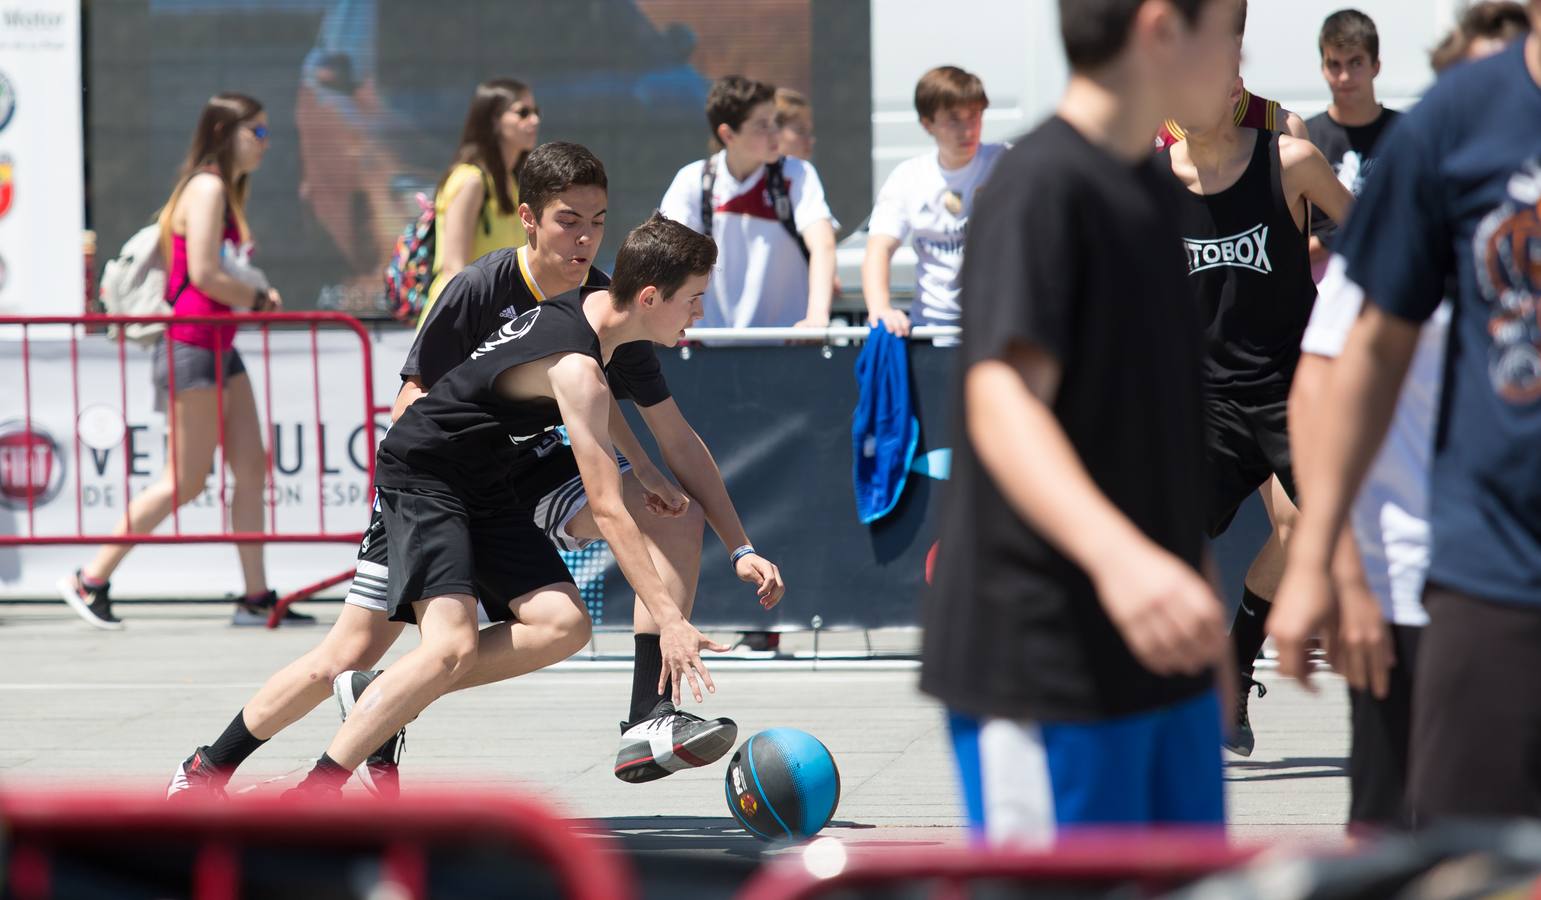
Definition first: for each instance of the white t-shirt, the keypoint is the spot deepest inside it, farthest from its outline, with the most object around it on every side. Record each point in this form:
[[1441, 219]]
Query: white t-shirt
[[761, 277], [913, 205], [1391, 515]]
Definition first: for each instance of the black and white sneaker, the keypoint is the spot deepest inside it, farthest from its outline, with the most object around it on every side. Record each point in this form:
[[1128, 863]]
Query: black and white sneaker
[[256, 614], [197, 777], [670, 740], [91, 604], [381, 772], [1241, 740]]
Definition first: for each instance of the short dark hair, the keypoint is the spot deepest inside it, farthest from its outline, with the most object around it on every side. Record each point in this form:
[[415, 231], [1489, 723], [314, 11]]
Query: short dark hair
[[1095, 32], [1490, 19], [732, 98], [552, 168], [660, 252], [1349, 29], [948, 87], [1241, 18]]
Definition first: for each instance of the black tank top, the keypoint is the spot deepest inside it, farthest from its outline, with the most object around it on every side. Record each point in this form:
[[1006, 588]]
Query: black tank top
[[1250, 265], [472, 438]]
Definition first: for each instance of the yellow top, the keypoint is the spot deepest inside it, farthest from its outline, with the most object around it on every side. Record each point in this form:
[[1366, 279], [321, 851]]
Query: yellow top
[[494, 231]]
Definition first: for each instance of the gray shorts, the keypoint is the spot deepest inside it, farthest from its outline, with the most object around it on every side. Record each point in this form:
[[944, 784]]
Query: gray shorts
[[195, 368]]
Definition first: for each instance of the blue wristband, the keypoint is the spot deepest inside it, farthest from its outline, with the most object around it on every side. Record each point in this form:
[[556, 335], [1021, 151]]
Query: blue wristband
[[739, 554]]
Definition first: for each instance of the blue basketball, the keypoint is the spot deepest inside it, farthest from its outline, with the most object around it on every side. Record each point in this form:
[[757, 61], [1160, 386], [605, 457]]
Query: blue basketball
[[782, 783]]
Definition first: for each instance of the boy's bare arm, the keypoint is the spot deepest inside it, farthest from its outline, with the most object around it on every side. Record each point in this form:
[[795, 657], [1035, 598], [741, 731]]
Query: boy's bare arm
[[1359, 643], [820, 238], [1308, 176], [1359, 401], [583, 396], [876, 265]]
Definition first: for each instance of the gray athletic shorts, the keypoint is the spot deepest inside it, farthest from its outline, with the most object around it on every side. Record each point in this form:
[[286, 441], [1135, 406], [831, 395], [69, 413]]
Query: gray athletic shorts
[[195, 368], [555, 511]]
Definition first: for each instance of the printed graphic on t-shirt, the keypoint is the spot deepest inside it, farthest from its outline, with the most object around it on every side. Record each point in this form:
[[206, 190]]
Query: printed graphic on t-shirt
[[510, 331], [1247, 250], [755, 202], [1352, 170], [1507, 249]]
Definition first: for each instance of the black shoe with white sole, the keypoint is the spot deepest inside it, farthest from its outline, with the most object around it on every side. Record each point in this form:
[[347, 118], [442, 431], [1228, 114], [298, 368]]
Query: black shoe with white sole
[[197, 777], [381, 772], [91, 604], [668, 741]]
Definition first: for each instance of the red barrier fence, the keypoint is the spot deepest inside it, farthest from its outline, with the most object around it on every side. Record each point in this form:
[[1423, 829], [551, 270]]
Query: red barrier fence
[[73, 844], [1143, 863], [25, 461]]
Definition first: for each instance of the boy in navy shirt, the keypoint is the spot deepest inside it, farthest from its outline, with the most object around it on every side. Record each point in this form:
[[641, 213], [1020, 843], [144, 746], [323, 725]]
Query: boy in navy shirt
[[1455, 197]]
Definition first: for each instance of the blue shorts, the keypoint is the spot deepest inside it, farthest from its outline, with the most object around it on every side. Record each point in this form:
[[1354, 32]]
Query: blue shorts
[[1030, 781]]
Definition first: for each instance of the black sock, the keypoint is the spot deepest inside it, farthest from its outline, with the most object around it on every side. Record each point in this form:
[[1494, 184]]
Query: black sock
[[232, 748], [1247, 630], [327, 770], [645, 672]]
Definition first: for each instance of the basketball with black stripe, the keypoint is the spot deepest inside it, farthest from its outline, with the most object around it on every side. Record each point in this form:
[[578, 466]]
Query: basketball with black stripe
[[782, 783]]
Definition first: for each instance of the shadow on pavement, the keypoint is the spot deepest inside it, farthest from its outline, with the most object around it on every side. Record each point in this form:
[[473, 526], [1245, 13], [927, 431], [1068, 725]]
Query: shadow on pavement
[[1291, 767]]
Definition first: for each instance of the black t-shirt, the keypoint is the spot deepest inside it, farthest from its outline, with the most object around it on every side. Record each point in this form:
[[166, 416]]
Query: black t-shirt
[[1251, 268], [1351, 149], [1074, 252], [472, 438], [494, 290]]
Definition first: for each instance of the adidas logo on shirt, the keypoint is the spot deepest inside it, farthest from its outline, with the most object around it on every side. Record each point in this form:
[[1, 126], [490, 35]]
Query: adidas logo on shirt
[[509, 313], [1247, 250]]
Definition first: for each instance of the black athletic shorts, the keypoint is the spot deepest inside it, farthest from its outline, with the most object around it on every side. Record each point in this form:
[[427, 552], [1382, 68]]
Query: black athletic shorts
[[442, 544], [1476, 747], [1246, 440], [1381, 733]]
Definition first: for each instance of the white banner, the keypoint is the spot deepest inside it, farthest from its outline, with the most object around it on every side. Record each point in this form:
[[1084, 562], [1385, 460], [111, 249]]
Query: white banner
[[41, 176], [80, 487]]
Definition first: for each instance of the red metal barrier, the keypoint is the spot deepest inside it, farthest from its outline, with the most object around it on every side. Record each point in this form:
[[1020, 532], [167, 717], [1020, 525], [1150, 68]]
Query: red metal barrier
[[78, 327], [1152, 862], [46, 832]]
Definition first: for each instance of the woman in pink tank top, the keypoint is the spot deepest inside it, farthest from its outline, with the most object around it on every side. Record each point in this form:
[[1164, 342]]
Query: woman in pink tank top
[[202, 225]]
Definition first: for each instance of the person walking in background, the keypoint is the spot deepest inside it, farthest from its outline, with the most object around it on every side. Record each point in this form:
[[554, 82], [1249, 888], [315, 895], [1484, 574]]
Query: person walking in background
[[1450, 210], [203, 221], [927, 199], [1070, 632], [1346, 132], [766, 212], [476, 207], [794, 119], [1252, 111]]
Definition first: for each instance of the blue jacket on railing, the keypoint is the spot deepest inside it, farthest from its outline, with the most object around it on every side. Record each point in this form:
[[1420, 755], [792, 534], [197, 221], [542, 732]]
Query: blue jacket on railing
[[884, 428]]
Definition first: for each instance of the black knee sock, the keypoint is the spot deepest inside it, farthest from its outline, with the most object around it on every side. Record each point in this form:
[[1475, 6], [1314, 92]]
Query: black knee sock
[[1247, 630], [645, 671], [232, 748]]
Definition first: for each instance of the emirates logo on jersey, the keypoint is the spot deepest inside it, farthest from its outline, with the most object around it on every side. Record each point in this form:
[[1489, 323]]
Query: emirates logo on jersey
[[511, 331], [1247, 250]]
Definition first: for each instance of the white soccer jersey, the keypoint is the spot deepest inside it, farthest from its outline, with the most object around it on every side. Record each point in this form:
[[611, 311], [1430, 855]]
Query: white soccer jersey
[[923, 203]]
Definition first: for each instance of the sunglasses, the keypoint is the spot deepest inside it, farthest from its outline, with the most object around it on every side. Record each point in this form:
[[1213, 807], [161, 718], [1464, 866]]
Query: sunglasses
[[524, 112], [260, 132]]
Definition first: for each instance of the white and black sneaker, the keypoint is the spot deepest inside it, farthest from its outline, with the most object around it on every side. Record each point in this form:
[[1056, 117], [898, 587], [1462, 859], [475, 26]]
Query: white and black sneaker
[[197, 777], [91, 604], [381, 772], [670, 740]]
